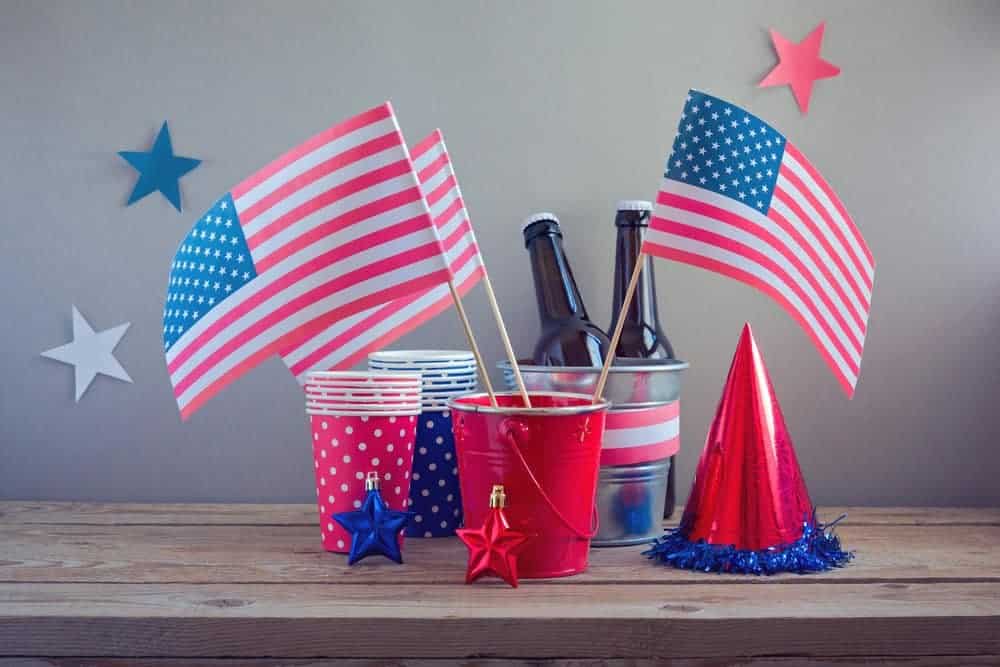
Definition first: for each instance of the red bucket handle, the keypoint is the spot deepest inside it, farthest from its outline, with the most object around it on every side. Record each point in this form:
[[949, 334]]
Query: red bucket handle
[[510, 429]]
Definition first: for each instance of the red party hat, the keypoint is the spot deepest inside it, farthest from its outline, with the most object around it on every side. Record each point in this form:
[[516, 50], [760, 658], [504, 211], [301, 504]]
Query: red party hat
[[749, 510], [748, 489]]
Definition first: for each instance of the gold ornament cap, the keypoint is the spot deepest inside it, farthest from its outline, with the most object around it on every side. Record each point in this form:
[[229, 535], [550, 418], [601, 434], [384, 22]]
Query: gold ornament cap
[[372, 482], [498, 499]]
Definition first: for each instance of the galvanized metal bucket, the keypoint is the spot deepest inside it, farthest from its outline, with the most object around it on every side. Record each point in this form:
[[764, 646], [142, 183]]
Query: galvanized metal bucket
[[632, 484]]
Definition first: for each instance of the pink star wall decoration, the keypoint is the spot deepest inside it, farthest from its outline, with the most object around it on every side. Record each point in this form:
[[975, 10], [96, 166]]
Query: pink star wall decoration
[[799, 65]]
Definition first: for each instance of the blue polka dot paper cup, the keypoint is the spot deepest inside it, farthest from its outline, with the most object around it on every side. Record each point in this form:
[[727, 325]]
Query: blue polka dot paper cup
[[434, 494], [434, 490]]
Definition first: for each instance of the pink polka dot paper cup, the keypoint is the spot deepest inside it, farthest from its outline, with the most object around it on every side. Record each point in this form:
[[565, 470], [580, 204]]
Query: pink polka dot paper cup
[[352, 436], [345, 449]]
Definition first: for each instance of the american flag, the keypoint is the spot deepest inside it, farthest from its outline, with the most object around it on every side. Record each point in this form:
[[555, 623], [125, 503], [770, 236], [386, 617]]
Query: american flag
[[738, 199], [346, 342], [330, 229]]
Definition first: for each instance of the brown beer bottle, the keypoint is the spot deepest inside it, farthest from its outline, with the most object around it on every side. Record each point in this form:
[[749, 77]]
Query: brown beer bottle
[[642, 336], [568, 337]]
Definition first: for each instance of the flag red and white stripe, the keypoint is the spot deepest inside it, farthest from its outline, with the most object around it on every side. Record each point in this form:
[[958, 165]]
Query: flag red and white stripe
[[334, 227], [791, 254], [347, 342], [641, 435], [740, 200]]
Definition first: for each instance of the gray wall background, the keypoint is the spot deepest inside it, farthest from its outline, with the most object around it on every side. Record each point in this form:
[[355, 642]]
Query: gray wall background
[[565, 106]]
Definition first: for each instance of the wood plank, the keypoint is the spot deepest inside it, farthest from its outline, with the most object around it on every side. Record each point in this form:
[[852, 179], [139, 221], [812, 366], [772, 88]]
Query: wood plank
[[292, 554], [29, 512], [787, 661], [124, 514], [491, 620]]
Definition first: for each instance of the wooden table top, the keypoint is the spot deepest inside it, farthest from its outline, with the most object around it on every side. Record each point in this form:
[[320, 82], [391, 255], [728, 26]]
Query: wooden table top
[[129, 584]]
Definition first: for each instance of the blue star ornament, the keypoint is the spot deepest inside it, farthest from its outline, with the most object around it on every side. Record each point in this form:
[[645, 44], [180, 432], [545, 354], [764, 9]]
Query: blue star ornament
[[374, 528], [159, 169]]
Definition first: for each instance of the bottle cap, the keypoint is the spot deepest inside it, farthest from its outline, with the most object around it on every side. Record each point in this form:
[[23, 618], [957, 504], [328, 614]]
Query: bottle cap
[[538, 224], [372, 482], [539, 217], [634, 205], [498, 499], [633, 213]]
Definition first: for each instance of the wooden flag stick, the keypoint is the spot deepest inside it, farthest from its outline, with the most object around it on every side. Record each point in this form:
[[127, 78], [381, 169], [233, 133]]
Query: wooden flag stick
[[511, 357], [619, 325], [472, 342]]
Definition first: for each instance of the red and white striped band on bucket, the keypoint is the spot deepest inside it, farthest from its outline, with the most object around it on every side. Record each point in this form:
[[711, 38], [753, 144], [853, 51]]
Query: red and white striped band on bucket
[[638, 436]]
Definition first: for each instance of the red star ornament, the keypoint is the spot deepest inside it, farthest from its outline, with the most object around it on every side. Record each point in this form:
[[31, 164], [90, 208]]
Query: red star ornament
[[799, 65], [492, 548]]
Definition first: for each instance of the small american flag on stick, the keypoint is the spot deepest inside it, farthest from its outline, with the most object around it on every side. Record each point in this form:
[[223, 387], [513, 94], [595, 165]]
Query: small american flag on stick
[[348, 341], [332, 228], [740, 200], [344, 343]]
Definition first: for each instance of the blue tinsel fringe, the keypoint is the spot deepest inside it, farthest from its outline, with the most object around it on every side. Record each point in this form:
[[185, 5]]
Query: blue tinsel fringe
[[817, 550]]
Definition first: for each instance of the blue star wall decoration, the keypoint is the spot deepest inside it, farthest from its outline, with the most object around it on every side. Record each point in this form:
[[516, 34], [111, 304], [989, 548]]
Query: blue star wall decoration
[[374, 528], [159, 169]]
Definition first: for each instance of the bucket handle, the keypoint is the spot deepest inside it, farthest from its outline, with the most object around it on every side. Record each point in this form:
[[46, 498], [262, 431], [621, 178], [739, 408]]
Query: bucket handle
[[510, 429]]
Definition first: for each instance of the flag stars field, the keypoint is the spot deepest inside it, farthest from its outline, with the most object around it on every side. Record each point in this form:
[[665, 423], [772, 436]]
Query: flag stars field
[[186, 283], [772, 222]]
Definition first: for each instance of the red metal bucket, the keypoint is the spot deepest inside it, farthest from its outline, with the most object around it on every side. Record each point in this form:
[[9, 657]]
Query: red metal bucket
[[547, 458]]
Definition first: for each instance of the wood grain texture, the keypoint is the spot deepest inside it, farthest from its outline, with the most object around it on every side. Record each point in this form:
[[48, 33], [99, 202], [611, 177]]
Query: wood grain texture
[[352, 620], [120, 514], [178, 514], [222, 585], [786, 661], [292, 554]]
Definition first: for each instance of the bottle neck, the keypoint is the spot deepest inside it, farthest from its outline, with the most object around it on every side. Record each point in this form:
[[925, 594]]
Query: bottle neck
[[557, 295], [642, 310]]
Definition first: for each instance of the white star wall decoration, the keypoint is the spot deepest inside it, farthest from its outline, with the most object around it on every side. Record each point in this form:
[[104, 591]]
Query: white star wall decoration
[[90, 353]]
